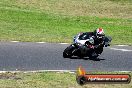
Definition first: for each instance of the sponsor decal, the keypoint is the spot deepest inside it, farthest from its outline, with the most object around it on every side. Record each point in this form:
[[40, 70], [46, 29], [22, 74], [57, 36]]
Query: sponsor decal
[[83, 78]]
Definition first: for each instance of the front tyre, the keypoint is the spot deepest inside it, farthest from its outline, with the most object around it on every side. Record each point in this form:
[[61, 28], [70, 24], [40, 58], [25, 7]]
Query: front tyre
[[66, 55], [68, 51]]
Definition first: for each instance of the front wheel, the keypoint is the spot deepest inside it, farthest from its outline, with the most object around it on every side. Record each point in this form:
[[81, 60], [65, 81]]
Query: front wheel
[[68, 51], [66, 55]]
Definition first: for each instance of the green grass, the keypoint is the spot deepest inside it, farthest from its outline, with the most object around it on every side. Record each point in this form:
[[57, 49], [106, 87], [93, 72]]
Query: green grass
[[60, 20], [51, 80]]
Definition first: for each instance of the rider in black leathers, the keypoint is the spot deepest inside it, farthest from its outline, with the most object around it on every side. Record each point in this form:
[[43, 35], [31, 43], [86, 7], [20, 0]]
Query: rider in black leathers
[[98, 35]]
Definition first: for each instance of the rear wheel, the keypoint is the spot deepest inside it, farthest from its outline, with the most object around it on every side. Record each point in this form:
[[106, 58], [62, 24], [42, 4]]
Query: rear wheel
[[99, 50], [93, 57], [96, 53]]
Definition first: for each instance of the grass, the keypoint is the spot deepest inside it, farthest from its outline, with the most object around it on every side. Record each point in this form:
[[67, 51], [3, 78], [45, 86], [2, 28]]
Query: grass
[[50, 80], [60, 20]]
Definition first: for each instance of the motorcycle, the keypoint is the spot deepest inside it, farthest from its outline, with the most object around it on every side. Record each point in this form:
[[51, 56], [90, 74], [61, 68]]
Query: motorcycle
[[88, 49]]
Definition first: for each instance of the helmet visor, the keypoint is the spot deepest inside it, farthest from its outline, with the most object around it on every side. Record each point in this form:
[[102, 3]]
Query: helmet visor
[[100, 35]]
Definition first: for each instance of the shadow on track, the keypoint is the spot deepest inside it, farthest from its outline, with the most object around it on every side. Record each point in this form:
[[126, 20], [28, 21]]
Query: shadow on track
[[86, 58]]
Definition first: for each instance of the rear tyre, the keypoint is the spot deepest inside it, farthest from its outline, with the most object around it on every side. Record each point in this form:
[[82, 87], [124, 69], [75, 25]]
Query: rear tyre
[[99, 50], [91, 56]]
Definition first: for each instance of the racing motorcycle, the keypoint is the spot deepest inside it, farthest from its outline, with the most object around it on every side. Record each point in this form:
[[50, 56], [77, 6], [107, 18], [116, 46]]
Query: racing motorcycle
[[88, 49]]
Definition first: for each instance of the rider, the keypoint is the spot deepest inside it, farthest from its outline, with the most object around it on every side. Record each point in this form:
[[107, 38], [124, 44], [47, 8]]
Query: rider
[[98, 36]]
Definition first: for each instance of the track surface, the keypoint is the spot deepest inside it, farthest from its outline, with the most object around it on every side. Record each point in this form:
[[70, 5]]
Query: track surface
[[48, 56]]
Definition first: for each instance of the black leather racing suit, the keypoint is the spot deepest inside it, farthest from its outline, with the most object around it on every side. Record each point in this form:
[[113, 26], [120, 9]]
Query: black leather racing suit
[[86, 35], [98, 43]]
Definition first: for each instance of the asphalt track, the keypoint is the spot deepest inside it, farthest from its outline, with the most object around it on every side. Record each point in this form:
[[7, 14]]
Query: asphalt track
[[48, 56]]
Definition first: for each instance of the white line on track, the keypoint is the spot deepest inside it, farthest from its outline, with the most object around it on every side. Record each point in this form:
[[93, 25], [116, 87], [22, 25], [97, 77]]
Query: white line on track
[[63, 43], [58, 71], [40, 42], [125, 50], [121, 45], [123, 71], [14, 41]]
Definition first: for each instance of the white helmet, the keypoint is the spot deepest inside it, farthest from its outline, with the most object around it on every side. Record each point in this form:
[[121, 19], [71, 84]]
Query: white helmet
[[100, 33]]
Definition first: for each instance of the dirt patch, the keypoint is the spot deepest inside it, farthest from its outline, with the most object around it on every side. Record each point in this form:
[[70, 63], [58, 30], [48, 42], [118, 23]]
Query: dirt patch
[[9, 75]]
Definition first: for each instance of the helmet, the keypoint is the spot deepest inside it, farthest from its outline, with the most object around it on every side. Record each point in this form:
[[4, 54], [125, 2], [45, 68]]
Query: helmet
[[99, 33]]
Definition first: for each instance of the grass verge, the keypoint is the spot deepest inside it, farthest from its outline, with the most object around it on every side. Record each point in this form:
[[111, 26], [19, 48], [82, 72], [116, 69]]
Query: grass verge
[[51, 80], [60, 20]]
